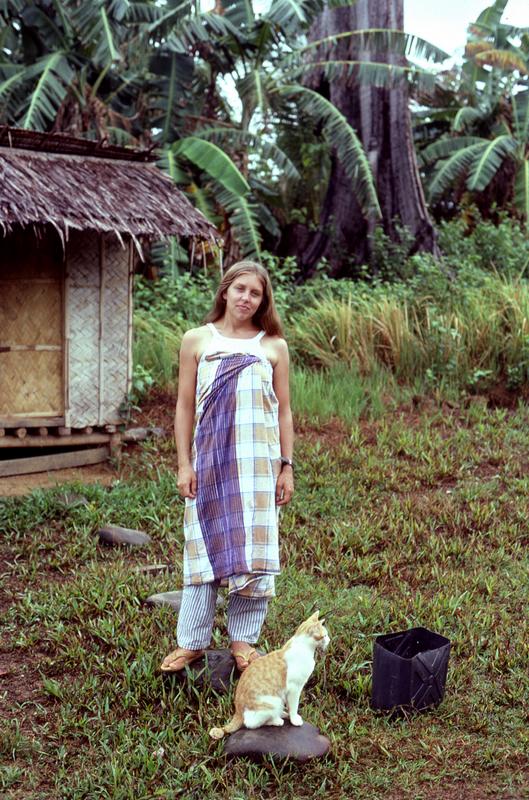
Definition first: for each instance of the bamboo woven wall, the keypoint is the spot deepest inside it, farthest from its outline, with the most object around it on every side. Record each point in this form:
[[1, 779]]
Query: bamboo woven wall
[[31, 328], [98, 297]]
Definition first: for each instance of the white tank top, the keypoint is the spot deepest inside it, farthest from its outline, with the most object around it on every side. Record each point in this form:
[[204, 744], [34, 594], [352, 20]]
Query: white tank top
[[228, 344]]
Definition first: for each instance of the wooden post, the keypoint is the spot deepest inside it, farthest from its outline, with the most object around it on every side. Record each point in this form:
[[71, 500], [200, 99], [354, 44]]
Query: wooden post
[[2, 431], [62, 431], [115, 446], [21, 433], [101, 333], [130, 318], [43, 431], [88, 430]]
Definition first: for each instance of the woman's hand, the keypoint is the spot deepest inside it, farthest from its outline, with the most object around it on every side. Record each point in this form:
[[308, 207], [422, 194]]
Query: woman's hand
[[285, 486], [187, 482]]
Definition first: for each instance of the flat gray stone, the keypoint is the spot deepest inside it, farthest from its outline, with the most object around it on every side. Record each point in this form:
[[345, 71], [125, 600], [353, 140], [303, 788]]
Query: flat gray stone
[[136, 435], [158, 433], [216, 668], [72, 499], [114, 535], [173, 599], [300, 744], [142, 434]]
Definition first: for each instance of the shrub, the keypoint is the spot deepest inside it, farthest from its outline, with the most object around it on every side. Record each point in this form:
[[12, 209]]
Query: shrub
[[502, 248]]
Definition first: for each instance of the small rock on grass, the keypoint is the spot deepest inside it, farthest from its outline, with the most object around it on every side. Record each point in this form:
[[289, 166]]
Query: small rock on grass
[[172, 599], [72, 499], [141, 434], [153, 569], [216, 668], [135, 435], [114, 535], [158, 433], [300, 744]]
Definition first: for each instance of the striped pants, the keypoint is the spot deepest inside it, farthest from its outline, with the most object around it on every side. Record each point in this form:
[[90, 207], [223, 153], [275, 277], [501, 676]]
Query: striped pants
[[197, 613]]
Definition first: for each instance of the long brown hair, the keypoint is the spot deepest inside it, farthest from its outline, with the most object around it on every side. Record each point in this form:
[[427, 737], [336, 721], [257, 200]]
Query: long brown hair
[[266, 316]]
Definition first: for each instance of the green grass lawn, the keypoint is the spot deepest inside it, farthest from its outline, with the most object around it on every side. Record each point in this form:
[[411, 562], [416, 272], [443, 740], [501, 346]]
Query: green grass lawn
[[415, 518]]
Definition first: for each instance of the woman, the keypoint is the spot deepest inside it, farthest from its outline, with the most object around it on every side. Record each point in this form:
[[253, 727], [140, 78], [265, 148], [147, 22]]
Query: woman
[[233, 385]]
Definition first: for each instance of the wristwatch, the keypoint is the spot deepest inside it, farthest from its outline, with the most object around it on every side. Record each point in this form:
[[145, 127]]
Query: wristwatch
[[286, 461]]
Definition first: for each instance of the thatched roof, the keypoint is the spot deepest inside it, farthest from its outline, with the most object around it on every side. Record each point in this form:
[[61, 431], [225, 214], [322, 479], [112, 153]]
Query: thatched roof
[[76, 183]]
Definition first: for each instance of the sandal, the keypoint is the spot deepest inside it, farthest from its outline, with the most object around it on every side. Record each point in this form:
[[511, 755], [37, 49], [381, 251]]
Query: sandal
[[244, 659], [182, 657]]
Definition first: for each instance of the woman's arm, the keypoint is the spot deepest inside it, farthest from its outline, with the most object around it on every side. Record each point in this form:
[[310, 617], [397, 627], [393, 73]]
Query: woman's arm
[[185, 413], [285, 481]]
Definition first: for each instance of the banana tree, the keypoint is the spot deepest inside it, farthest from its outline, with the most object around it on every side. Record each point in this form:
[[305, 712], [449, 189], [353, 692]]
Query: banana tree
[[267, 58], [147, 72], [75, 67], [486, 151]]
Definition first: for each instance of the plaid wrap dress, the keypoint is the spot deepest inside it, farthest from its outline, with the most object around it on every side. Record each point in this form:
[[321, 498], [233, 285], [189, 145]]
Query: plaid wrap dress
[[231, 527]]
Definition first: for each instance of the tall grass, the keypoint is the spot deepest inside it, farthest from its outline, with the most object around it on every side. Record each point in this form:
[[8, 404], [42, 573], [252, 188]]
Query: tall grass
[[339, 391], [464, 333], [480, 332]]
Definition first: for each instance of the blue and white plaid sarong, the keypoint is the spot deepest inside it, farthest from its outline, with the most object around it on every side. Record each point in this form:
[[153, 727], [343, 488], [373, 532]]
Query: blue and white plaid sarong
[[230, 528]]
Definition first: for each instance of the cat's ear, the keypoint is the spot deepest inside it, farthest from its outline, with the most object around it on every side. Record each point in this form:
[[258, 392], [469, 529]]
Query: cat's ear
[[314, 617], [316, 632]]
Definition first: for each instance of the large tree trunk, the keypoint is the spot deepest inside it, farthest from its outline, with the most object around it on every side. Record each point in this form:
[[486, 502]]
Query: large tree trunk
[[381, 118]]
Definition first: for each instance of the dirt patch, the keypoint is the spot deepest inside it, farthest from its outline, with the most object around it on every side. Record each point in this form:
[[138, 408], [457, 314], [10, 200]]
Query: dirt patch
[[18, 485], [157, 411], [20, 681]]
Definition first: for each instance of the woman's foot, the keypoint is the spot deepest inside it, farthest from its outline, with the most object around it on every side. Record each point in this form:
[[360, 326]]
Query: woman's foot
[[243, 654], [179, 659]]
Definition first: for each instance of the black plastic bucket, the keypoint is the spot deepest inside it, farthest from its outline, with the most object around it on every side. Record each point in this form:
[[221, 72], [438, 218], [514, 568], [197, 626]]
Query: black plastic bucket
[[409, 669]]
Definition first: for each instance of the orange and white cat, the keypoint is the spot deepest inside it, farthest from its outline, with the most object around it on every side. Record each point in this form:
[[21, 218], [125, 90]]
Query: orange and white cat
[[269, 689]]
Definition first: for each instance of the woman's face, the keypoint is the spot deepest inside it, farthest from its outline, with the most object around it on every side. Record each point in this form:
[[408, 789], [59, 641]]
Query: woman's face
[[244, 296]]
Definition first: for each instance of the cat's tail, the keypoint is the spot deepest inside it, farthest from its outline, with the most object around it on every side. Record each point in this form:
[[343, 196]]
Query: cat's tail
[[235, 724]]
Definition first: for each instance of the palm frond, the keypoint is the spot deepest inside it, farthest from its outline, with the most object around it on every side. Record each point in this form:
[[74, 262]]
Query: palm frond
[[96, 31], [465, 117], [252, 90], [54, 76], [521, 188], [476, 46], [143, 13], [502, 59], [266, 149], [202, 201], [12, 77], [344, 140], [168, 19], [451, 169], [240, 13], [199, 30], [212, 160], [446, 147], [288, 14], [487, 163], [172, 90], [168, 163], [373, 73], [490, 18], [267, 220], [243, 221], [380, 40], [53, 36], [520, 107]]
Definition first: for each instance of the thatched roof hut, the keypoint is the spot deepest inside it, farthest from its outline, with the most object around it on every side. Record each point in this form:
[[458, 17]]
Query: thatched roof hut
[[80, 184], [72, 216]]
